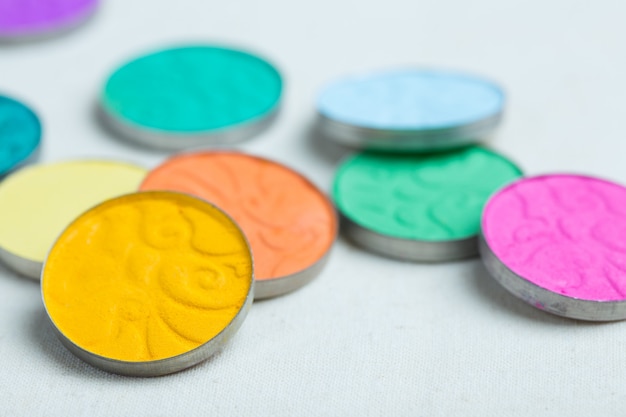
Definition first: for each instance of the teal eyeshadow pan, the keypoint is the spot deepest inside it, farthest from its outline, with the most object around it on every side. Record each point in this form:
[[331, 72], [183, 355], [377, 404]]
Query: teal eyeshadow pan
[[20, 134], [191, 96]]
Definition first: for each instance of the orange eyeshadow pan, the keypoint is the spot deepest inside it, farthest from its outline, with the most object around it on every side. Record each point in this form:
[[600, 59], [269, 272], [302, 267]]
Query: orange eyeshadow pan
[[290, 224]]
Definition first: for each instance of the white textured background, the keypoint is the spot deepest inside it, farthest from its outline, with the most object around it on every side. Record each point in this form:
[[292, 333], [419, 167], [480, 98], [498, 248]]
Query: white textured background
[[370, 336]]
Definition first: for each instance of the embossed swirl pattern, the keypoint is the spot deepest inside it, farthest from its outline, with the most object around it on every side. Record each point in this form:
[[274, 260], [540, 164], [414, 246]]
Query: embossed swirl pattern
[[25, 16], [20, 133], [433, 198], [147, 277], [289, 224], [565, 233], [193, 89]]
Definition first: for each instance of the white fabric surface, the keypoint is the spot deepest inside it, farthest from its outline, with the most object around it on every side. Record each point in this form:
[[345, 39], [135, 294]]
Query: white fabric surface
[[371, 336]]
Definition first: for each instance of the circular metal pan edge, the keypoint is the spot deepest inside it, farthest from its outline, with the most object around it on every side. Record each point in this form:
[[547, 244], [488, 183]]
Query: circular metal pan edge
[[545, 300], [25, 267], [274, 287], [168, 365], [269, 288], [407, 140], [58, 31], [409, 249], [163, 366], [176, 141]]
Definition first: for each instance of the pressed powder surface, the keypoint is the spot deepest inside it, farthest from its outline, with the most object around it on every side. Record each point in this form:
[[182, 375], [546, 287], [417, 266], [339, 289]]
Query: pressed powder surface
[[192, 89], [147, 276], [411, 99], [289, 223], [32, 17], [564, 233], [38, 202], [437, 197], [20, 133]]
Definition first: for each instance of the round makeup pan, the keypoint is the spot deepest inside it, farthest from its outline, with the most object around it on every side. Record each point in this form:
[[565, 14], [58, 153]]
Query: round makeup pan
[[423, 208], [25, 20], [290, 223], [191, 96], [557, 243], [410, 110], [148, 284]]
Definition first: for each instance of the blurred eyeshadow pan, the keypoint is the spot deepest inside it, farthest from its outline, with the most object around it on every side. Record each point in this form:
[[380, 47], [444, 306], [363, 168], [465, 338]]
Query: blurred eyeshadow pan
[[410, 109]]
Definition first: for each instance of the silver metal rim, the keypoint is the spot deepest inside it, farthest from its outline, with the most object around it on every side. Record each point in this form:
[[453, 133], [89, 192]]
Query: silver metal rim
[[177, 141], [52, 32], [407, 140], [25, 267], [409, 249], [544, 299], [168, 365], [269, 288]]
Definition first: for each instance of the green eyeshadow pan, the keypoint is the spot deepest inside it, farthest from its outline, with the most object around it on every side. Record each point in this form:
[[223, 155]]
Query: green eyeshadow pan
[[419, 207]]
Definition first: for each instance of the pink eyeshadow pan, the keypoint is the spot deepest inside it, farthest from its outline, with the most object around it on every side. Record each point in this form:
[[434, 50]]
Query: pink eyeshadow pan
[[558, 242]]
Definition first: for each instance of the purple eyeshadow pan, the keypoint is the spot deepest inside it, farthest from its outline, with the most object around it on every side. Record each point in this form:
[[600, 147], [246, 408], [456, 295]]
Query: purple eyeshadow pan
[[25, 19]]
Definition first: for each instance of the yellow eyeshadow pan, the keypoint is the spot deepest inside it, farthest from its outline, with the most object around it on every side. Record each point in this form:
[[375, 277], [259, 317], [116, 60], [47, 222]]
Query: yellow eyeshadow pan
[[148, 283], [39, 201]]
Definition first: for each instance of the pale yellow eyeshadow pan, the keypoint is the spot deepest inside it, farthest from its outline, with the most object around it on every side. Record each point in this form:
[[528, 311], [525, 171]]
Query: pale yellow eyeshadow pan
[[38, 202]]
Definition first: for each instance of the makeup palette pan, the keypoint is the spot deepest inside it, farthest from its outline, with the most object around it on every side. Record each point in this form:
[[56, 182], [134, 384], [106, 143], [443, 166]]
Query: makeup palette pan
[[423, 208], [148, 284], [290, 223], [410, 110], [20, 135], [23, 20], [557, 243], [191, 96]]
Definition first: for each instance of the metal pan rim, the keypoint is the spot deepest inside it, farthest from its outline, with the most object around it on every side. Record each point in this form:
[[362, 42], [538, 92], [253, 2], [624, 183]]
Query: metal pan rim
[[544, 299], [28, 268], [178, 141], [412, 131], [167, 365], [274, 287], [409, 249], [423, 141]]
